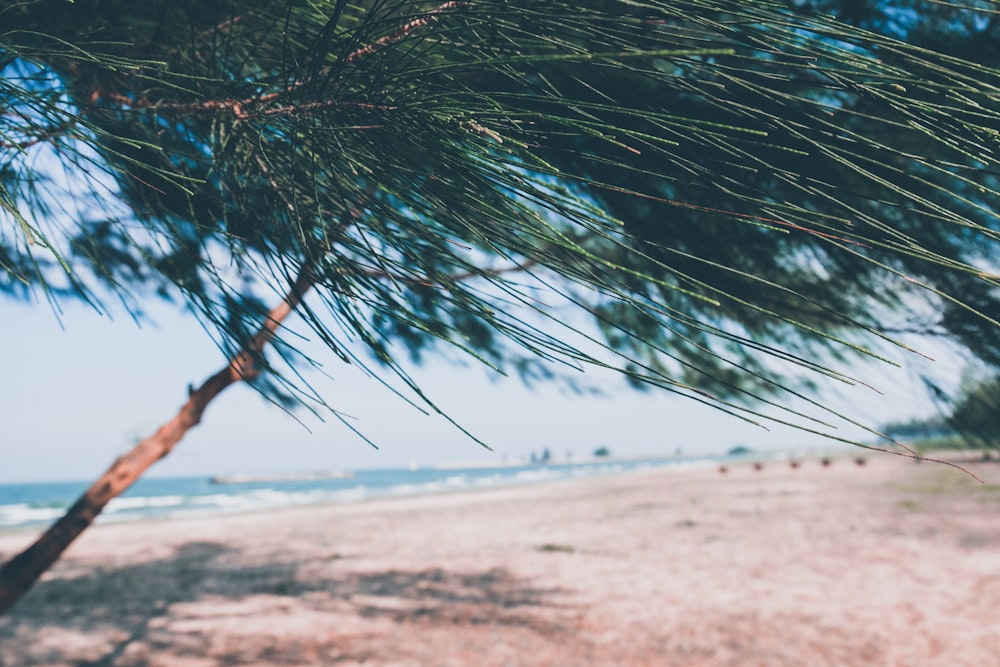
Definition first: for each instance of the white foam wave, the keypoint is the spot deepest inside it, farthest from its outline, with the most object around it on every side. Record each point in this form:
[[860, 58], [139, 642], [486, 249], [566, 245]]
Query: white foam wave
[[20, 514]]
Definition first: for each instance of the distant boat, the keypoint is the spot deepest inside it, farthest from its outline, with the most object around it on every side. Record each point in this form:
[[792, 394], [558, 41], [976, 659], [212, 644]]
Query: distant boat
[[281, 477]]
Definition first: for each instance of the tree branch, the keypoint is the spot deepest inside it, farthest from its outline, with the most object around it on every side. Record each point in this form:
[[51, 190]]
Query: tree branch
[[239, 107], [20, 573], [407, 28]]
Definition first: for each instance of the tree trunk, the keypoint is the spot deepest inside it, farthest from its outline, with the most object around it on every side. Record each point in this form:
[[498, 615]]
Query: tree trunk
[[20, 573]]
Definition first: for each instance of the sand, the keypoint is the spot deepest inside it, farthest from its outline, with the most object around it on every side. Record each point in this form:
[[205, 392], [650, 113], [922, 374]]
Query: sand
[[890, 563]]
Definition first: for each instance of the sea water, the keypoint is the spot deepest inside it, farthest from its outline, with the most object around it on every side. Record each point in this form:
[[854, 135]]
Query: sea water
[[41, 503]]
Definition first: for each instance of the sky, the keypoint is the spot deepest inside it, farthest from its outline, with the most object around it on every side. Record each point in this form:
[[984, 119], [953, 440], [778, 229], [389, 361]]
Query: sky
[[82, 388]]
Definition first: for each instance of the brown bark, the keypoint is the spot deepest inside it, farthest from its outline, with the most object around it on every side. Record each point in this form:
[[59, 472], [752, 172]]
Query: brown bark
[[20, 573], [244, 108]]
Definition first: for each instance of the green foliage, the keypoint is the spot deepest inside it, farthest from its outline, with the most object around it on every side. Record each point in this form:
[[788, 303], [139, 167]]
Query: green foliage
[[734, 201], [968, 420], [975, 414]]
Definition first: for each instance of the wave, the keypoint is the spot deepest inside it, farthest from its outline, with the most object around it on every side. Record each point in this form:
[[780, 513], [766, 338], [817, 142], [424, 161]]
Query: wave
[[21, 514]]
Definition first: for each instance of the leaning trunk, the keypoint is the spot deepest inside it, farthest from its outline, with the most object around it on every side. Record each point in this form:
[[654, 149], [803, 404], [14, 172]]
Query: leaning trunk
[[19, 574]]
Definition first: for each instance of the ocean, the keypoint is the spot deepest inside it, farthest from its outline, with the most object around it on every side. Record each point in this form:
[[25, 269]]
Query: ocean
[[32, 504]]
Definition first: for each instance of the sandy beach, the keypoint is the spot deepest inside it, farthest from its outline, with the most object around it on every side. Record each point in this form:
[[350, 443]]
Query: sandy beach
[[890, 563]]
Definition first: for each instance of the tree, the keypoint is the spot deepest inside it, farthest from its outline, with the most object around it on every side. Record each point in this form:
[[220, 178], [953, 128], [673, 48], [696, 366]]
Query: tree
[[975, 413], [968, 420], [967, 417], [747, 200]]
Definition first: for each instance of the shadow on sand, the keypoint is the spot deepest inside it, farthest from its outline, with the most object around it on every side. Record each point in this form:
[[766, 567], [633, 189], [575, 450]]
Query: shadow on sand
[[146, 606]]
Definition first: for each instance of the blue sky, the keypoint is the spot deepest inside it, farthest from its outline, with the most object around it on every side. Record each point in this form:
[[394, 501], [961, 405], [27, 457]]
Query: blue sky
[[79, 395]]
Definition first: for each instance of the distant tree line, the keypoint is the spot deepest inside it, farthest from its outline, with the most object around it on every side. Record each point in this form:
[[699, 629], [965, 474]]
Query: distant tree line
[[971, 419]]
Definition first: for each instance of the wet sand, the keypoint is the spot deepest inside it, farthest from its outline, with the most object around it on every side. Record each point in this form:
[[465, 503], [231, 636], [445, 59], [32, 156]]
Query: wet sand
[[890, 563]]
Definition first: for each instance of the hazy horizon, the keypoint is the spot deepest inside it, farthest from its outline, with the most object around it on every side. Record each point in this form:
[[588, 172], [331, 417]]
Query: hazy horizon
[[81, 396]]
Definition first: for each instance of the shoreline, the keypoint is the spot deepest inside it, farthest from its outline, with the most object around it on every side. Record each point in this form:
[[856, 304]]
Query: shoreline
[[888, 563], [194, 496]]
